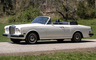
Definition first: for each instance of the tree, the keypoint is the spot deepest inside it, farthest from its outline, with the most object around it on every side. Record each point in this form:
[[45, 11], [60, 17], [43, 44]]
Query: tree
[[81, 10], [65, 8]]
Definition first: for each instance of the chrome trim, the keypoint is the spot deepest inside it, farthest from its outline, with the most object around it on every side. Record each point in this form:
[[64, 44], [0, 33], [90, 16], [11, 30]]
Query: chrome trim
[[13, 35], [12, 29]]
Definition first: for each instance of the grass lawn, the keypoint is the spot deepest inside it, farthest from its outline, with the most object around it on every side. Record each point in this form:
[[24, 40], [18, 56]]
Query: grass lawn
[[2, 38], [55, 56]]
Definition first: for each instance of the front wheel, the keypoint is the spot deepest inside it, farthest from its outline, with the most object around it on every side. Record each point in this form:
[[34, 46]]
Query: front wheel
[[15, 40], [31, 38], [76, 37]]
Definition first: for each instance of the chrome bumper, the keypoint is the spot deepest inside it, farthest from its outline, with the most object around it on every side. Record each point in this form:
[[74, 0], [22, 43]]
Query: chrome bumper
[[11, 35]]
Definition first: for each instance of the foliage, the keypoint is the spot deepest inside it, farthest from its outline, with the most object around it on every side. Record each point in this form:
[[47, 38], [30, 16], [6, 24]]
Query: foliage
[[68, 9], [26, 16], [81, 10], [55, 56], [85, 12], [91, 3]]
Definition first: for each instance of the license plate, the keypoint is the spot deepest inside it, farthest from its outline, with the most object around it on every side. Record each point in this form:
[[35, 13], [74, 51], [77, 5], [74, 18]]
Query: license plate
[[9, 36]]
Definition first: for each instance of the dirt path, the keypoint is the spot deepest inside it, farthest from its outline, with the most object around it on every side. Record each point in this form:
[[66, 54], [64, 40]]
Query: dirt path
[[8, 48]]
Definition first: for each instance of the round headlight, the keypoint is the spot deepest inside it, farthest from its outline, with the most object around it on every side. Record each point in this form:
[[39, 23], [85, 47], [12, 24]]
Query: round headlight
[[18, 30], [7, 29]]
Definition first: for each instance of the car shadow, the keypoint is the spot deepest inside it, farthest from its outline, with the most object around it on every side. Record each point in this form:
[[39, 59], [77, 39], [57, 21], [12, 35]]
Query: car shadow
[[52, 42]]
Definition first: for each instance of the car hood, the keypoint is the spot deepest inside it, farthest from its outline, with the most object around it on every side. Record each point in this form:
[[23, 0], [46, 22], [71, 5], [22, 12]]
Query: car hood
[[25, 25]]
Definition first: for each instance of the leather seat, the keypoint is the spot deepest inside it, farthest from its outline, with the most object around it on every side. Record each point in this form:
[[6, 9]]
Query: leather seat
[[57, 20]]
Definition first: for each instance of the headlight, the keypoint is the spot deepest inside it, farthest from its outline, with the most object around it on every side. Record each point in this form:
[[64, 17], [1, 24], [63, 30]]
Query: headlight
[[17, 30], [7, 29]]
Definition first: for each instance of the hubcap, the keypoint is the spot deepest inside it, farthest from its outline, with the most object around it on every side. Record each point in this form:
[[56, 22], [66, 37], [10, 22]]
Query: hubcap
[[77, 37], [32, 38]]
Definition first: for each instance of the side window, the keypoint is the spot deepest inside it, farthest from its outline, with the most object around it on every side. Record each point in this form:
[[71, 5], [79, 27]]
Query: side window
[[49, 21]]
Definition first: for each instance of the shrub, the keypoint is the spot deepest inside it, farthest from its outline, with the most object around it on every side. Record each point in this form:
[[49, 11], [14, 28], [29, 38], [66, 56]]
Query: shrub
[[85, 12], [12, 19], [81, 10], [26, 16]]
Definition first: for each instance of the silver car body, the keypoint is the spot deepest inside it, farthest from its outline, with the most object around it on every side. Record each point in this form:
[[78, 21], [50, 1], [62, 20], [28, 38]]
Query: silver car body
[[47, 31]]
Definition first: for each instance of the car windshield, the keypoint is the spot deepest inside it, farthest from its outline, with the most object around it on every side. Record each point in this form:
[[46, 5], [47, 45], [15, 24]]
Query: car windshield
[[41, 20]]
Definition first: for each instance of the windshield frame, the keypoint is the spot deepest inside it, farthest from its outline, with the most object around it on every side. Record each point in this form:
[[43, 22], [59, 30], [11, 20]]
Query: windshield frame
[[46, 21]]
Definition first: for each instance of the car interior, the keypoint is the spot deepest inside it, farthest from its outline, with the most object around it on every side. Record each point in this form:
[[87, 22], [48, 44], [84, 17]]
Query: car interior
[[58, 22]]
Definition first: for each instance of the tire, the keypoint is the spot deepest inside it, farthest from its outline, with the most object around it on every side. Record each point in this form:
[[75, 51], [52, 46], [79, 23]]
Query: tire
[[31, 38], [60, 40], [15, 40], [76, 37]]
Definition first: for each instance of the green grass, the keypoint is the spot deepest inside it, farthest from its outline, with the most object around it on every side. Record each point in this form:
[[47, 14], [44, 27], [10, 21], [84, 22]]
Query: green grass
[[4, 19], [55, 56], [2, 38]]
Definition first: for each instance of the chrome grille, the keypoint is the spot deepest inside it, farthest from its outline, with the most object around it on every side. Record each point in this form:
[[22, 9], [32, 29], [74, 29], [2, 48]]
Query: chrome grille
[[12, 29]]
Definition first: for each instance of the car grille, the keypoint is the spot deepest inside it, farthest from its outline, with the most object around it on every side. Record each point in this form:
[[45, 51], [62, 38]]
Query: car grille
[[12, 29]]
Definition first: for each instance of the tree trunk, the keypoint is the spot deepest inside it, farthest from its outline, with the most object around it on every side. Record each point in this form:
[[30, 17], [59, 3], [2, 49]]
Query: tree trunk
[[61, 14]]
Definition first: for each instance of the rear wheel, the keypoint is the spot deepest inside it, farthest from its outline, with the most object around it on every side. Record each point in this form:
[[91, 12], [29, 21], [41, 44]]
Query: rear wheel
[[76, 37], [60, 40], [15, 40], [31, 38]]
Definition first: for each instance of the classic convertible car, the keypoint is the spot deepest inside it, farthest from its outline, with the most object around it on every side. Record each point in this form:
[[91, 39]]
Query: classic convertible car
[[41, 28]]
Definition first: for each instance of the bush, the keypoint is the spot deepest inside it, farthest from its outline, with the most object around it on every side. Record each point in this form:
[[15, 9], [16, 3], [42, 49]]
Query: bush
[[92, 13], [81, 10], [85, 12], [26, 16], [12, 19]]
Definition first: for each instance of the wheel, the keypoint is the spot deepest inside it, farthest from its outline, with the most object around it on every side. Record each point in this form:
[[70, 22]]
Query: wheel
[[60, 40], [76, 37], [31, 38], [15, 40]]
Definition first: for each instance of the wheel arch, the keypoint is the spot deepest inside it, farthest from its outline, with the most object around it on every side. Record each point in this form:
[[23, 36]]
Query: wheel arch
[[78, 32], [38, 37]]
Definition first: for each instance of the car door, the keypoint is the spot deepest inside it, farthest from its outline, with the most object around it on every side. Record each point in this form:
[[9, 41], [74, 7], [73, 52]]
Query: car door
[[54, 31], [65, 30]]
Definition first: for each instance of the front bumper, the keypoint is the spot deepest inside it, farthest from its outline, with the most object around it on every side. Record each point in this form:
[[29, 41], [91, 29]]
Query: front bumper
[[91, 34], [11, 35]]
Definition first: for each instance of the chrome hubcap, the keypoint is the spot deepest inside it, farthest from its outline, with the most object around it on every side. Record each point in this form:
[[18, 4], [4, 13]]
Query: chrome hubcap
[[32, 38], [77, 37]]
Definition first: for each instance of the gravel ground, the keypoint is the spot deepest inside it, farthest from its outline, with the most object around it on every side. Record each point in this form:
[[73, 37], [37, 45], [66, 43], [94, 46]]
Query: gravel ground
[[46, 47]]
